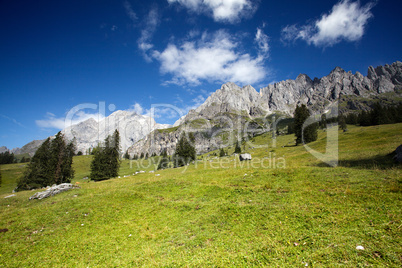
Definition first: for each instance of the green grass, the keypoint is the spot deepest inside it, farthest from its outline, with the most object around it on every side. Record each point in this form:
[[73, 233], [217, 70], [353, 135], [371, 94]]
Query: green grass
[[205, 216], [168, 130]]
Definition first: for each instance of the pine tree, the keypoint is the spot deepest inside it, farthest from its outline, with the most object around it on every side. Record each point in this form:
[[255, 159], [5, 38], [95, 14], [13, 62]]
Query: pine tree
[[323, 122], [291, 128], [309, 133], [6, 158], [164, 162], [221, 153], [106, 161], [342, 122], [142, 155], [237, 148], [127, 155], [364, 119], [51, 164], [185, 151]]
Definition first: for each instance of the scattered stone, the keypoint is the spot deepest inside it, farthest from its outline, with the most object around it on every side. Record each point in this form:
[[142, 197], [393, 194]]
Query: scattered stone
[[141, 171], [157, 174], [244, 157], [85, 178], [8, 196], [55, 189], [398, 155], [151, 171], [360, 248]]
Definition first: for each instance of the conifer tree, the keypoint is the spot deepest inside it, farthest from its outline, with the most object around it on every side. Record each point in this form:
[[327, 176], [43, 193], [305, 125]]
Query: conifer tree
[[342, 122], [106, 161], [237, 148], [185, 151], [309, 133], [323, 122], [51, 164], [164, 162], [127, 155], [221, 153]]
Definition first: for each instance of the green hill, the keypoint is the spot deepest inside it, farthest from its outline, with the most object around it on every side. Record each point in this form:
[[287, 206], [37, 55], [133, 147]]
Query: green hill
[[219, 211]]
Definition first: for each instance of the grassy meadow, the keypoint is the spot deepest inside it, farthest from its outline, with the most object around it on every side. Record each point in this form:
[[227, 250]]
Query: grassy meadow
[[285, 208]]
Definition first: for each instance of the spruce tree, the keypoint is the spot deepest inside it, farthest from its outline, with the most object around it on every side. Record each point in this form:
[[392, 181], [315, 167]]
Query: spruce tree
[[309, 133], [127, 155], [185, 151], [342, 122], [106, 161], [323, 122], [221, 153], [164, 162], [237, 148], [51, 164]]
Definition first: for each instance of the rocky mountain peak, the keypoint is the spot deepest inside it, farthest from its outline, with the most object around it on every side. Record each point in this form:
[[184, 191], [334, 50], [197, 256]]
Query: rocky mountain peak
[[231, 100]]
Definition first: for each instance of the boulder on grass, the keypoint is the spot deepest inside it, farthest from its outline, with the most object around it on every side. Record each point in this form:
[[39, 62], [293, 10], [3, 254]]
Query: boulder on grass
[[398, 155], [244, 157], [55, 189]]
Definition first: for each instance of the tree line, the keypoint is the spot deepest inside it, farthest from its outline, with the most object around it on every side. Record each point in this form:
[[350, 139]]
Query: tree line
[[378, 115], [51, 164], [7, 158]]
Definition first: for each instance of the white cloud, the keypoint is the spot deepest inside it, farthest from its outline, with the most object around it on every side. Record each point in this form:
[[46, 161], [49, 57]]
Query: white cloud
[[130, 12], [346, 21], [144, 42], [213, 58], [262, 41], [54, 122], [221, 10], [137, 108]]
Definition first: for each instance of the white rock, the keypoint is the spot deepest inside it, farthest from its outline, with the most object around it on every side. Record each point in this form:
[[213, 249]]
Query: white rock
[[55, 189], [8, 196], [360, 248]]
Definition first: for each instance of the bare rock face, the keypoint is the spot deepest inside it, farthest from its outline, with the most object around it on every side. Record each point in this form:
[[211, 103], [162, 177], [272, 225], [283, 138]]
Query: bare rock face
[[89, 133], [131, 126], [29, 148], [246, 103], [55, 189]]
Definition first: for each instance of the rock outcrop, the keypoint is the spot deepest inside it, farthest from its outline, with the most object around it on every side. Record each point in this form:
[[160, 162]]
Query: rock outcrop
[[244, 157], [55, 189], [398, 155], [131, 126], [242, 105], [89, 133], [29, 148]]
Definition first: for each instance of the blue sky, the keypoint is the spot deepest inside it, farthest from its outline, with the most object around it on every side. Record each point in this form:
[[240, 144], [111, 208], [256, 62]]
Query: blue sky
[[131, 54]]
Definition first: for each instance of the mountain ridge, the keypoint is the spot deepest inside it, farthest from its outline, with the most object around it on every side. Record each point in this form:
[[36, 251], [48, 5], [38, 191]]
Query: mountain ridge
[[281, 97], [245, 102]]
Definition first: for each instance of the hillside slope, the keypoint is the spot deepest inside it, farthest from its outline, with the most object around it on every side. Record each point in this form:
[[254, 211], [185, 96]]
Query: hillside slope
[[220, 212]]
